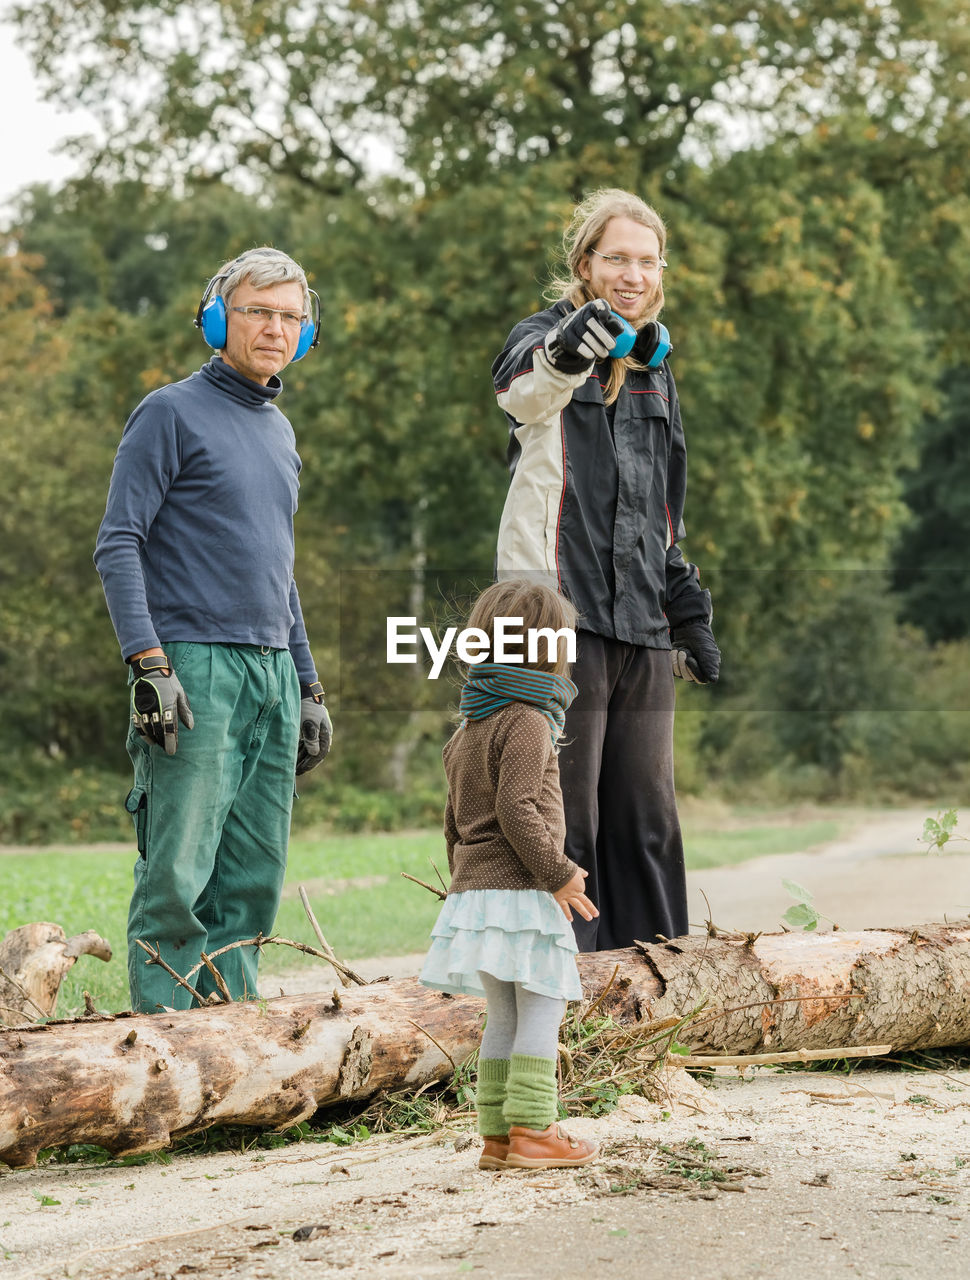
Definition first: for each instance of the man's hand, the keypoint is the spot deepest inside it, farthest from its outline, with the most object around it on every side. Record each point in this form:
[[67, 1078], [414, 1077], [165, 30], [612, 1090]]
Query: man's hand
[[583, 336], [695, 654], [158, 702], [316, 730]]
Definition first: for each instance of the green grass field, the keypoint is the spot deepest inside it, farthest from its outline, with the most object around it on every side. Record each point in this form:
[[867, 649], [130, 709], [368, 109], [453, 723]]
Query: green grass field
[[354, 882]]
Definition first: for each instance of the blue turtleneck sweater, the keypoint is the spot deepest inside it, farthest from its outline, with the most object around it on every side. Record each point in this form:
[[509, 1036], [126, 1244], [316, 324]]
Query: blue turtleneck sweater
[[197, 537]]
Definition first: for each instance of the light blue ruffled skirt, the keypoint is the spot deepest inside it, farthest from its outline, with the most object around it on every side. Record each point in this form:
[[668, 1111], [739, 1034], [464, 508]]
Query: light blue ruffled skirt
[[516, 935]]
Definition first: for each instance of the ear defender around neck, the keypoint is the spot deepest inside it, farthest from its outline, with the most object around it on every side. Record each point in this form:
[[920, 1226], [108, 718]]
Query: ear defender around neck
[[212, 319]]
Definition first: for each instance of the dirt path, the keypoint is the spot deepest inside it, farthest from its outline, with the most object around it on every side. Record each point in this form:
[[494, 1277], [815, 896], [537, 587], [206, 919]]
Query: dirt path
[[864, 1176], [876, 875]]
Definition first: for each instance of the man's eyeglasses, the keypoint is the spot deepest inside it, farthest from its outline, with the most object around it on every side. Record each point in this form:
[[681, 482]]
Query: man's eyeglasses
[[621, 260], [262, 315]]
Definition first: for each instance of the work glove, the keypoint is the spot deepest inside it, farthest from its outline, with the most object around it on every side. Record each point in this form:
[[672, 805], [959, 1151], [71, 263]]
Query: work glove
[[694, 651], [583, 336], [158, 702], [316, 730]]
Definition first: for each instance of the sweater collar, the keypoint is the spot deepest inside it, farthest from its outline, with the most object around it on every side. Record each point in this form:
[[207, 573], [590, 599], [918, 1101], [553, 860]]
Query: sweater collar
[[241, 388]]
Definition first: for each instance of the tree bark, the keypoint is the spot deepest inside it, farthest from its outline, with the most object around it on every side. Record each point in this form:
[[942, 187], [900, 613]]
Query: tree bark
[[135, 1082], [33, 962]]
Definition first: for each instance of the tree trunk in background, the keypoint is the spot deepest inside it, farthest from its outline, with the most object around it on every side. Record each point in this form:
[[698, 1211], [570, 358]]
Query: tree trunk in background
[[410, 734], [135, 1082]]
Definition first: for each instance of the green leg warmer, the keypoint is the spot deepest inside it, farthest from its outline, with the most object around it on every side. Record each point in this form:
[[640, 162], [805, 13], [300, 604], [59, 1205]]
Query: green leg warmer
[[490, 1096], [531, 1093]]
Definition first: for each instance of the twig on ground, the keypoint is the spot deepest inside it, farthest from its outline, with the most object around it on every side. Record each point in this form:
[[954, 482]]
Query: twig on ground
[[769, 1059], [72, 1267], [588, 1013], [155, 958], [916, 1066], [343, 974], [261, 941], [437, 1045], [424, 885], [217, 978], [438, 874]]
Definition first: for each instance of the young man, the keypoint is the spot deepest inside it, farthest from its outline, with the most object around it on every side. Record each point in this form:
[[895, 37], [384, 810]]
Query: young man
[[595, 508], [196, 553]]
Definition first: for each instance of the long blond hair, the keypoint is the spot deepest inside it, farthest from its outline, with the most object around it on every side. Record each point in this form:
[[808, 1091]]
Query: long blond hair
[[584, 232]]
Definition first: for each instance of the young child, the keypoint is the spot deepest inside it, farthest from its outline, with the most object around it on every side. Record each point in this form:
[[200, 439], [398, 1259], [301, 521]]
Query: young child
[[504, 929]]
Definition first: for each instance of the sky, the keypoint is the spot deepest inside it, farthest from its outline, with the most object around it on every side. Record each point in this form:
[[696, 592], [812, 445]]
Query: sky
[[31, 128]]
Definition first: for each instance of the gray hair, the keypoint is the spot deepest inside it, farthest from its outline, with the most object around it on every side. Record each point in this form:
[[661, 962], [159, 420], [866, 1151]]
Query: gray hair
[[262, 267]]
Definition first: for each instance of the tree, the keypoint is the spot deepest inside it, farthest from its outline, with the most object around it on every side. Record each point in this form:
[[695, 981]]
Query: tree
[[447, 88], [932, 566], [49, 650], [809, 162]]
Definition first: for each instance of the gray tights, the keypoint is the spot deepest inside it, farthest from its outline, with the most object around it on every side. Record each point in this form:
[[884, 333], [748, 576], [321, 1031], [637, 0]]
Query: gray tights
[[519, 1021]]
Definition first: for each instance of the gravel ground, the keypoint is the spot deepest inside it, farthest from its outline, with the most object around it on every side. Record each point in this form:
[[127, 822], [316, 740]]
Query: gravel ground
[[865, 1175]]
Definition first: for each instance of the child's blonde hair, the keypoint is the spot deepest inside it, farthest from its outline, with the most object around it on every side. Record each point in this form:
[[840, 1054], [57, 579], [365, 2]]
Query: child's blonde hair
[[539, 607]]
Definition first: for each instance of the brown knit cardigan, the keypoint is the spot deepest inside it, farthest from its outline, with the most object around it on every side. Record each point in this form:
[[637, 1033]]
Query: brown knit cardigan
[[504, 821]]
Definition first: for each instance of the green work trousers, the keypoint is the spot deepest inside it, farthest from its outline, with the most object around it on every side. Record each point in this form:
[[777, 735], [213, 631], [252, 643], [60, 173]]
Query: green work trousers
[[213, 821]]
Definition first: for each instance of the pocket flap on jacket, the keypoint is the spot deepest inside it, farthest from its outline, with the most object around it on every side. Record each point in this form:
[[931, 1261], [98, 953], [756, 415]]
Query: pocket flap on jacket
[[649, 404]]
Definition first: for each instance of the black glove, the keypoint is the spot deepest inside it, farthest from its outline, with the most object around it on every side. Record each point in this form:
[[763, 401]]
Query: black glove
[[583, 336], [316, 730], [158, 702], [695, 654]]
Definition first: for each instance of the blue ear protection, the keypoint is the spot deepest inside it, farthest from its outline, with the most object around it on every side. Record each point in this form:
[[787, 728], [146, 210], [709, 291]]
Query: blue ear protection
[[211, 318], [653, 340], [625, 339], [653, 344]]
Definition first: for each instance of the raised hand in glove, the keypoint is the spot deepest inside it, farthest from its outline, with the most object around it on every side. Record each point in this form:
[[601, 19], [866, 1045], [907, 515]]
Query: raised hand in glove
[[583, 336], [158, 702], [695, 654], [316, 730]]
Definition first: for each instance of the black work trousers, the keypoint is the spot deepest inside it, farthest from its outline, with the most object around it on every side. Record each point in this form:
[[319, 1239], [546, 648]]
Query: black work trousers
[[617, 775]]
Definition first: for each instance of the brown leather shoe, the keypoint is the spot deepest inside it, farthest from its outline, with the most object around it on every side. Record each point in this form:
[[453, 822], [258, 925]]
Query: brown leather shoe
[[496, 1151], [550, 1148]]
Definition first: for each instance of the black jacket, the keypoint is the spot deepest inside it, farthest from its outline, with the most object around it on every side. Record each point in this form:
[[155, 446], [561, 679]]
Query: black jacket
[[595, 504]]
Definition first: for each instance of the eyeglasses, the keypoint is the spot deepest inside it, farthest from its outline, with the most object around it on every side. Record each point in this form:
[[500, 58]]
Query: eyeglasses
[[621, 260], [262, 315]]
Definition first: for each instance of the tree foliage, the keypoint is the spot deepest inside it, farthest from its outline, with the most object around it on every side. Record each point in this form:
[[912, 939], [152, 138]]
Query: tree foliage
[[451, 87], [420, 159], [932, 565]]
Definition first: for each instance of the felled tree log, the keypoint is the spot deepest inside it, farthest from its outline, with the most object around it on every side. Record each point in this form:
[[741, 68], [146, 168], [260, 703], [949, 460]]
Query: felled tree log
[[33, 962], [135, 1082], [906, 986]]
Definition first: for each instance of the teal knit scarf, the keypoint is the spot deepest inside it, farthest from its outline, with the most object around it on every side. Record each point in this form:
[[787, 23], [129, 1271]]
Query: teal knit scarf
[[492, 685]]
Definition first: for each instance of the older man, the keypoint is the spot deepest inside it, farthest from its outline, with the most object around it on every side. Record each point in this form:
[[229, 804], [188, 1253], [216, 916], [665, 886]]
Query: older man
[[196, 554]]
